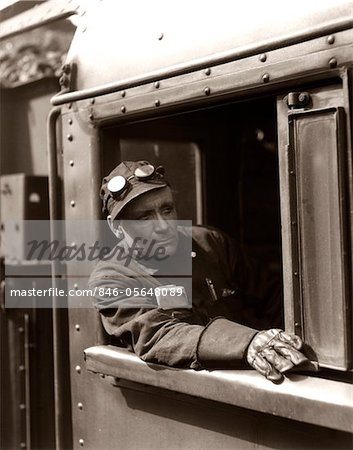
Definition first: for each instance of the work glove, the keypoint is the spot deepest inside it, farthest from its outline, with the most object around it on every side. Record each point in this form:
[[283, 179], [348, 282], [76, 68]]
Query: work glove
[[274, 352]]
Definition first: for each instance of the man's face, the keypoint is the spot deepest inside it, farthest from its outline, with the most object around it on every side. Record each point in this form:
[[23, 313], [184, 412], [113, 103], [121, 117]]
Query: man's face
[[152, 217]]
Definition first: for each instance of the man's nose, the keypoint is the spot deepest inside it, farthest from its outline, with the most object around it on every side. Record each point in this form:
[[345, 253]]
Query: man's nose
[[161, 225]]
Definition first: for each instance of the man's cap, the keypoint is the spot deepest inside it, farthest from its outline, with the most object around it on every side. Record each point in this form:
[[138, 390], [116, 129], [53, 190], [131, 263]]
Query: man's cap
[[127, 181]]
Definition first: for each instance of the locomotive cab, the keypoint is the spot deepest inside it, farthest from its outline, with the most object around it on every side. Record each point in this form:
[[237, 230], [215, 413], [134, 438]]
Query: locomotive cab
[[253, 124], [264, 125]]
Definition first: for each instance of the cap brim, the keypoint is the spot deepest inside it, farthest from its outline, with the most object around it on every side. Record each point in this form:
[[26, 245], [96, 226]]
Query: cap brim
[[136, 192]]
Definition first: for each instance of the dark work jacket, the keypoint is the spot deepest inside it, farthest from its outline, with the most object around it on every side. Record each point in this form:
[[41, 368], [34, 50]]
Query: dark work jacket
[[216, 331]]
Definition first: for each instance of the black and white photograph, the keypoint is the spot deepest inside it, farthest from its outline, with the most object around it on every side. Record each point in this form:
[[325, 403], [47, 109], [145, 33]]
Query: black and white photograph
[[176, 224]]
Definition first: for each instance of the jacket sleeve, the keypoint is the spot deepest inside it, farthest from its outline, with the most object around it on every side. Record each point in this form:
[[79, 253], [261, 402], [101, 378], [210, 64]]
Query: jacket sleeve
[[172, 337]]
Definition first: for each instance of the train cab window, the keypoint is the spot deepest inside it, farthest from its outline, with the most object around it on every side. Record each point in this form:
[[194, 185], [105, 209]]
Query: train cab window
[[222, 163], [254, 169]]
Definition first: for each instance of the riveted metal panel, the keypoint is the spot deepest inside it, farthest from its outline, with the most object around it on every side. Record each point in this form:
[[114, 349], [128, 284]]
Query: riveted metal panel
[[186, 34], [135, 416], [244, 388], [325, 52], [300, 61], [81, 171]]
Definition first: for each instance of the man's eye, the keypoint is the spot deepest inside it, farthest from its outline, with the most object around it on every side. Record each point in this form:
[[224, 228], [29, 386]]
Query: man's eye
[[168, 210], [144, 217]]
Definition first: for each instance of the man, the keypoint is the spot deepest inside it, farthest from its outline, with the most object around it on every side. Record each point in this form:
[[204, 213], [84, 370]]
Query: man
[[149, 304]]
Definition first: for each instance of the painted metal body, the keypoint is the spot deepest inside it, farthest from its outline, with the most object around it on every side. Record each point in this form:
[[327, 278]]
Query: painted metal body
[[150, 69], [181, 73], [210, 35]]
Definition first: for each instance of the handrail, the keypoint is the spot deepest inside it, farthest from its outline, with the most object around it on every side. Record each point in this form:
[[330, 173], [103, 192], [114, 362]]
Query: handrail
[[61, 395]]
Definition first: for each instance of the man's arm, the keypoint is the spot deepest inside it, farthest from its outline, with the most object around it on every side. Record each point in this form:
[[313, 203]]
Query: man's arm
[[171, 337], [177, 338]]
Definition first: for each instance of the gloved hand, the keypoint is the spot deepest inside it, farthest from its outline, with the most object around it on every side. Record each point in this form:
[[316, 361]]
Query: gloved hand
[[274, 352]]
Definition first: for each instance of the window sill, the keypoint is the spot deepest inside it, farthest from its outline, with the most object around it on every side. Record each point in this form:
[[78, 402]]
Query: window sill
[[307, 399]]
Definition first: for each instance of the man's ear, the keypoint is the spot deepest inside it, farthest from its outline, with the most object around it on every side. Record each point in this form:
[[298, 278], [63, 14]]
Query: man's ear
[[114, 226]]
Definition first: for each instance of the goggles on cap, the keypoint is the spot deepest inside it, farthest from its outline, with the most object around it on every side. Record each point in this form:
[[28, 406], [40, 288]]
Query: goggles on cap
[[118, 184]]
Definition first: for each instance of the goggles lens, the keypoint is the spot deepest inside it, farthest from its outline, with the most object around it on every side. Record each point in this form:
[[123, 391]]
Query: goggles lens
[[118, 184], [144, 172]]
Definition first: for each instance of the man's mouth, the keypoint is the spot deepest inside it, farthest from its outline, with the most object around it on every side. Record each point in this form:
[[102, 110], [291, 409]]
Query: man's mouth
[[165, 241]]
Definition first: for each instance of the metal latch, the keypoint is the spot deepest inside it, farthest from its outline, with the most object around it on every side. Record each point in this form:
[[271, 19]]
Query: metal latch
[[65, 77], [297, 99]]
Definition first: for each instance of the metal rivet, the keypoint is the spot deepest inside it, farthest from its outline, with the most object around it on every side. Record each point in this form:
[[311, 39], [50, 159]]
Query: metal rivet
[[81, 442], [295, 274], [69, 105], [297, 325], [21, 368], [207, 91], [93, 100], [64, 80], [20, 329], [263, 57], [75, 286], [294, 223], [156, 84], [265, 77], [77, 327], [123, 93], [160, 36], [70, 121], [303, 98], [123, 109], [102, 375], [72, 203], [73, 244], [22, 406], [23, 445], [66, 68], [80, 406], [333, 62], [157, 102], [91, 116], [71, 162], [330, 39], [292, 172], [208, 71], [78, 369], [70, 137]]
